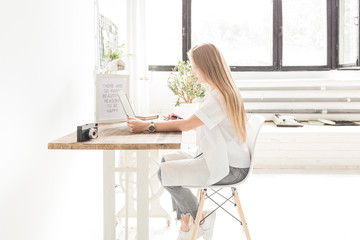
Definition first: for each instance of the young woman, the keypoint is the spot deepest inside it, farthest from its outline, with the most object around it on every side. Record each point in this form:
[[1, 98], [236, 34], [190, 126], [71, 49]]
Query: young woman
[[222, 156]]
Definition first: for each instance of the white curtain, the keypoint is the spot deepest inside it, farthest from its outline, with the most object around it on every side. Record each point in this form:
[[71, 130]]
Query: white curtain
[[138, 69]]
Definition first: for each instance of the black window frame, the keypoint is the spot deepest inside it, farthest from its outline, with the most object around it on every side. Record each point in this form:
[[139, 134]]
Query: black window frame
[[332, 42]]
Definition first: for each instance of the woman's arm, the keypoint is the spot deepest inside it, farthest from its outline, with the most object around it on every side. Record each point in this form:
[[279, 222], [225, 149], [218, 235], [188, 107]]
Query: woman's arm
[[136, 125]]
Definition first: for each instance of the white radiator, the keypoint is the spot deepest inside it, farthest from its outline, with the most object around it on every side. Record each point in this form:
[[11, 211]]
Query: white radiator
[[308, 99]]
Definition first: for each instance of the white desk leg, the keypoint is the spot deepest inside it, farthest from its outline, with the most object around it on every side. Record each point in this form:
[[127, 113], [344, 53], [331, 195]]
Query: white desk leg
[[109, 194], [142, 178]]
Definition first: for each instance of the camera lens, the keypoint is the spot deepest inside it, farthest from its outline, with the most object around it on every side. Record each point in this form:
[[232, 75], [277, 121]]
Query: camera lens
[[93, 133]]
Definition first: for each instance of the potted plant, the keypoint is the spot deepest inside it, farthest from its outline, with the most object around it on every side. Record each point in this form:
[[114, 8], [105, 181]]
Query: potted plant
[[184, 85], [114, 58]]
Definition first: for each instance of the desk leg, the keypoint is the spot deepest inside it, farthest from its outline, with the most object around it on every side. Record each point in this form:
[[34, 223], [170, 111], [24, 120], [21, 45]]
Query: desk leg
[[109, 194], [142, 178]]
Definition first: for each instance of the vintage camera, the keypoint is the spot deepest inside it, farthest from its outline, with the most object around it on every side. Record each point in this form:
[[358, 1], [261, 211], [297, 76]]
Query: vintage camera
[[87, 131]]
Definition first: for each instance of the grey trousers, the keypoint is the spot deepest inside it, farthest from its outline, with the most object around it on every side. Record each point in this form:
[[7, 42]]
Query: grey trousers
[[184, 201]]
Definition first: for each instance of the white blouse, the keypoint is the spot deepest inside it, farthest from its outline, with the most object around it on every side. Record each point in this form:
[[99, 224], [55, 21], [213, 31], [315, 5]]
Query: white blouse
[[218, 142]]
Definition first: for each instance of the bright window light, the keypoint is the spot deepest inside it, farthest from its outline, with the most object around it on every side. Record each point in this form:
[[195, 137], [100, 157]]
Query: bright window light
[[304, 32], [164, 35], [242, 30]]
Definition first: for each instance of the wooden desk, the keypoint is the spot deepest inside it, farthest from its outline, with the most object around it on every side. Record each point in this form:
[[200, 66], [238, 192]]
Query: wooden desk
[[116, 136]]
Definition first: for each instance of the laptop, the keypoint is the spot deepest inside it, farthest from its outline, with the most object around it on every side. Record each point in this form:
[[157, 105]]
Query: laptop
[[129, 111], [126, 105]]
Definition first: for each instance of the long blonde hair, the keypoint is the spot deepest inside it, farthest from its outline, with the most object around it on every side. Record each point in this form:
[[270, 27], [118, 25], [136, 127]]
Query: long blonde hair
[[212, 66]]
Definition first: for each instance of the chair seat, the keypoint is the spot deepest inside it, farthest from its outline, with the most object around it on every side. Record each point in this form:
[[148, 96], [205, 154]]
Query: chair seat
[[215, 186]]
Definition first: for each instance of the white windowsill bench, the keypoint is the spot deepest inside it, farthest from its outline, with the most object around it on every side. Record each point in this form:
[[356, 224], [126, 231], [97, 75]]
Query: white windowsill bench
[[309, 147]]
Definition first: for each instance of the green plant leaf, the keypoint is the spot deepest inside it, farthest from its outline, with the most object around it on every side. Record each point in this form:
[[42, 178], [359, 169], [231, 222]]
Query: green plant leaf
[[183, 84]]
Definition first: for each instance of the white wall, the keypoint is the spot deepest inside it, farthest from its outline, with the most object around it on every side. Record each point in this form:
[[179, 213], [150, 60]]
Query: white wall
[[46, 90]]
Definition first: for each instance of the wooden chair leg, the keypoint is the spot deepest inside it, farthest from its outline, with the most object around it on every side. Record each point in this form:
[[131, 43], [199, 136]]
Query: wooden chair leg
[[199, 213], [241, 213], [198, 193]]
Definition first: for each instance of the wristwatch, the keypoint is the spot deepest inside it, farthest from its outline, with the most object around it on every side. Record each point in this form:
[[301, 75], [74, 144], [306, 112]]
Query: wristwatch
[[151, 127]]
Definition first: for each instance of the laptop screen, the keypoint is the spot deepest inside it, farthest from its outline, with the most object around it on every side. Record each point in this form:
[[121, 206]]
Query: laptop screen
[[126, 105]]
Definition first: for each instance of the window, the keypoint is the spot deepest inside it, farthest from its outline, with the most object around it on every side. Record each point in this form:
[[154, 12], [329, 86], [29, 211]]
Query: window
[[304, 33], [348, 32], [257, 35], [246, 29]]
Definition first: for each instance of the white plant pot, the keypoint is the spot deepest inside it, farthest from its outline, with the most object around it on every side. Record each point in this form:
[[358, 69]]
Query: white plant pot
[[185, 110]]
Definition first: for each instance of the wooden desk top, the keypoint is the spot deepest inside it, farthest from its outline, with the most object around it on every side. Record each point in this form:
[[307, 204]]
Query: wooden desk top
[[116, 136]]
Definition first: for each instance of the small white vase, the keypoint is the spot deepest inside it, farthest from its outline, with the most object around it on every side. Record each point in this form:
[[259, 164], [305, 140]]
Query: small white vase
[[185, 110]]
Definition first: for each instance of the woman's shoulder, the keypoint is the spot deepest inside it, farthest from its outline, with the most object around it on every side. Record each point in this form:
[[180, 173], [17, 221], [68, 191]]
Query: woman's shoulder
[[214, 94]]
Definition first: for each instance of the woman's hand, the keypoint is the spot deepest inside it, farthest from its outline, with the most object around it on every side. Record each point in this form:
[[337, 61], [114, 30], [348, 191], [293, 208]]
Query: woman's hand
[[136, 125], [172, 116]]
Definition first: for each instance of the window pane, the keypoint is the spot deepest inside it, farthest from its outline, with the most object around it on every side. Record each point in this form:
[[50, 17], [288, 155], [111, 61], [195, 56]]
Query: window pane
[[164, 35], [348, 31], [242, 30], [304, 32]]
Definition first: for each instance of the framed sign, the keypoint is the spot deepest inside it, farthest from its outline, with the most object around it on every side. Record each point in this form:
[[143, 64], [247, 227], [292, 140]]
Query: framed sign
[[108, 106]]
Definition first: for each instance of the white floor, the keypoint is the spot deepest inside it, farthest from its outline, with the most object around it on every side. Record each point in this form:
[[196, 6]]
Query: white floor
[[282, 206]]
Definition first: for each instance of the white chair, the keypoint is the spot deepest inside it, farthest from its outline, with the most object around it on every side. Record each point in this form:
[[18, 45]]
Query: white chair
[[254, 125]]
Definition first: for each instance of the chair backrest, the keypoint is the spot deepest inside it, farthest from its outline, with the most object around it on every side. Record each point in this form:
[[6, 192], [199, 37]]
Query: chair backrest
[[255, 123]]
